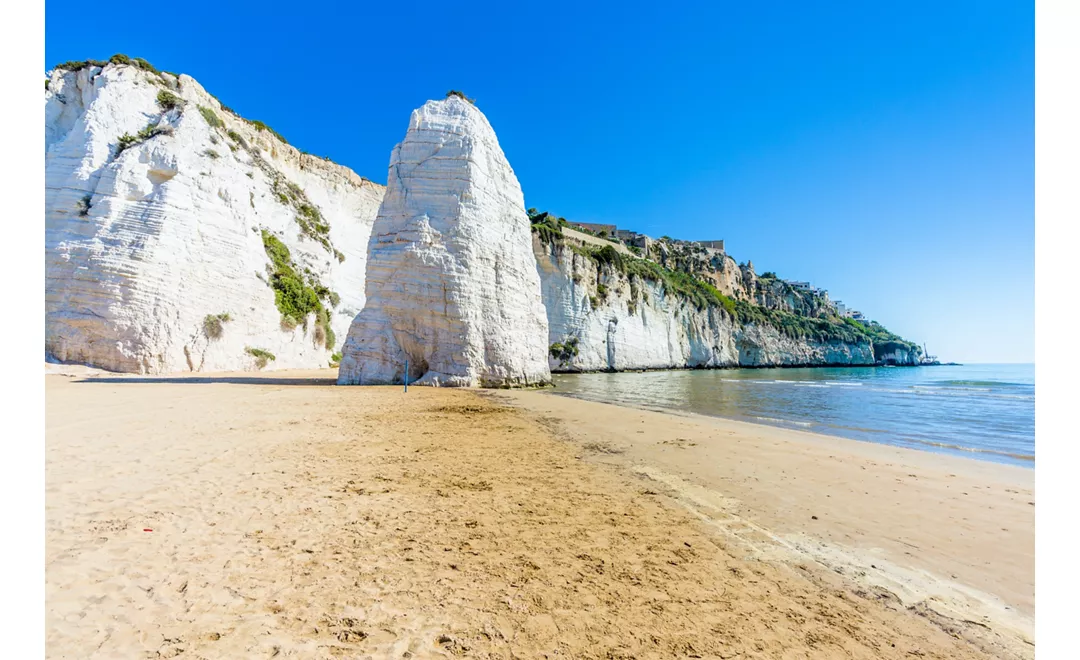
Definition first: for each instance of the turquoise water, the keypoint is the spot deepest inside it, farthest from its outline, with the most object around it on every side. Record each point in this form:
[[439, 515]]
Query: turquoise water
[[984, 411]]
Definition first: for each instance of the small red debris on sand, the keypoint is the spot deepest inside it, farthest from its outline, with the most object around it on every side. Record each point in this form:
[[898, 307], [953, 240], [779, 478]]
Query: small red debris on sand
[[147, 529]]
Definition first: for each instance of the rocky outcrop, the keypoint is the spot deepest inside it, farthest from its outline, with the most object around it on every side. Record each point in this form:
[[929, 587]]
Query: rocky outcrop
[[157, 201], [896, 354], [452, 286], [602, 319], [773, 293]]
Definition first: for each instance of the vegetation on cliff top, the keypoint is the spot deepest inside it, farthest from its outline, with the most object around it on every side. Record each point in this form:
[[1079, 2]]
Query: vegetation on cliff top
[[830, 328], [308, 216], [883, 340], [546, 226], [260, 126], [211, 117], [119, 58], [460, 95]]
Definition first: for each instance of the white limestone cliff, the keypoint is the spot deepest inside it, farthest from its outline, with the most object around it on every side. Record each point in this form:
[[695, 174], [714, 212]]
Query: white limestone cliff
[[452, 286], [602, 320], [143, 244], [150, 246]]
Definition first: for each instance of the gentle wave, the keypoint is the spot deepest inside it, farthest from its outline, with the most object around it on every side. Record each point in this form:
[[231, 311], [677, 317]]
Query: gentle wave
[[973, 450], [953, 388], [983, 383], [773, 420], [981, 411], [920, 390], [912, 390]]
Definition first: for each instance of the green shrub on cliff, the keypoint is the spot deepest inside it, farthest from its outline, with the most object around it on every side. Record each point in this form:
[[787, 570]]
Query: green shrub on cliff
[[294, 299], [308, 217], [564, 352], [150, 130], [460, 95], [262, 356], [120, 58], [124, 141], [211, 117], [73, 65], [676, 282], [883, 340], [168, 101], [214, 324], [294, 296], [144, 65], [237, 138], [546, 226], [260, 126]]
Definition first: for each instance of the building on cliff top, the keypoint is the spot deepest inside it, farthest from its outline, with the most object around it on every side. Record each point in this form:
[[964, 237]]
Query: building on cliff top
[[847, 312], [634, 239]]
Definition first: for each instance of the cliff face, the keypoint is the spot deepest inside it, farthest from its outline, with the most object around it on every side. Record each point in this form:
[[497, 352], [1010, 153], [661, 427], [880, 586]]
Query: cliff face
[[738, 281], [182, 237], [162, 211], [452, 286], [710, 265], [603, 319]]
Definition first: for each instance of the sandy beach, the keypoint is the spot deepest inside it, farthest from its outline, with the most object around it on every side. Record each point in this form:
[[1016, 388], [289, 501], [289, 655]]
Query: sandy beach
[[277, 515]]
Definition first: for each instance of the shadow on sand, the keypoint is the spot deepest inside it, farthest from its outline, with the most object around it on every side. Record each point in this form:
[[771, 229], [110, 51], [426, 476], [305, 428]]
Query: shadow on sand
[[202, 380]]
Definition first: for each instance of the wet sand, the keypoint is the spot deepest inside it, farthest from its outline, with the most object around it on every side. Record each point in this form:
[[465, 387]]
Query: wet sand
[[951, 534], [292, 518]]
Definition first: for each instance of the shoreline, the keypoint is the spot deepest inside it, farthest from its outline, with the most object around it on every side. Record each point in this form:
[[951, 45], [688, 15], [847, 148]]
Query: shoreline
[[291, 515], [726, 367], [1025, 461], [58, 363], [951, 533]]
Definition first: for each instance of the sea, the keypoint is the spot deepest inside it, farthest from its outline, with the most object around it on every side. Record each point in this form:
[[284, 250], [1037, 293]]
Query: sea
[[982, 411]]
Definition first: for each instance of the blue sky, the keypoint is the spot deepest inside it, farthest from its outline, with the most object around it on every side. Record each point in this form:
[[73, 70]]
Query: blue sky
[[884, 152]]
